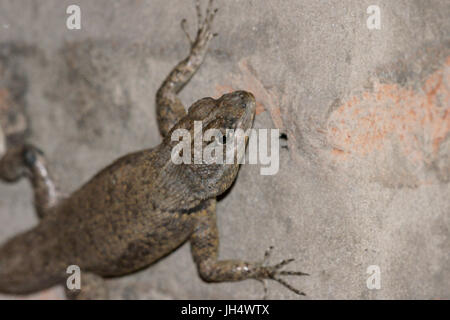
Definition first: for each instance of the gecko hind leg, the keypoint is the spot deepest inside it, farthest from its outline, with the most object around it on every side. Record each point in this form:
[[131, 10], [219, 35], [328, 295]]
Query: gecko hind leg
[[28, 161], [204, 247], [169, 108]]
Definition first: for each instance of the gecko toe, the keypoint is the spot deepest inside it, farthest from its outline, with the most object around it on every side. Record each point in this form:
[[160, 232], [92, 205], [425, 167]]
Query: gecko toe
[[288, 286], [184, 28], [283, 263], [293, 273]]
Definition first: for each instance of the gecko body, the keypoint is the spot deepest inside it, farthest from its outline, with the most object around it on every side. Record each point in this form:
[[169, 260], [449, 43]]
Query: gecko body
[[138, 209]]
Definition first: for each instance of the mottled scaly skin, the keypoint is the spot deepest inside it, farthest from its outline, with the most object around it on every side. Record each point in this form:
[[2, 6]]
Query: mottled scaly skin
[[138, 209]]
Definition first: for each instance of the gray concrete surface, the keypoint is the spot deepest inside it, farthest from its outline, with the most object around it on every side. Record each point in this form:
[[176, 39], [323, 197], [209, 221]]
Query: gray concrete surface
[[364, 180]]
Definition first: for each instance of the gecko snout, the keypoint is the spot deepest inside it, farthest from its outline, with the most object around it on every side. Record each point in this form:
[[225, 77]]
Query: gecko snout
[[240, 99], [243, 99]]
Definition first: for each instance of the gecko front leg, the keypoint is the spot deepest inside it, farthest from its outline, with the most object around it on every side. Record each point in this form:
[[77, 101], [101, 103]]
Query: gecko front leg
[[169, 107], [204, 246]]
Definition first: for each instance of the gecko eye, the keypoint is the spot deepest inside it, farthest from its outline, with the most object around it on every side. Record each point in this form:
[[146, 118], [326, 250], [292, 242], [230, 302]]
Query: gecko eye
[[242, 97], [223, 139]]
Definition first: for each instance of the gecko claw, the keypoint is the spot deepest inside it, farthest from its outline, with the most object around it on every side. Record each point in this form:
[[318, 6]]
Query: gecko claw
[[211, 15], [264, 283], [283, 263], [293, 273], [204, 34], [288, 286], [267, 254], [199, 12], [273, 272], [183, 27]]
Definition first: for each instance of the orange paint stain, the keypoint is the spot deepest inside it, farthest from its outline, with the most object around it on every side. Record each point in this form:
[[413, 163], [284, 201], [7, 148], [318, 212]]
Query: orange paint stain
[[417, 120]]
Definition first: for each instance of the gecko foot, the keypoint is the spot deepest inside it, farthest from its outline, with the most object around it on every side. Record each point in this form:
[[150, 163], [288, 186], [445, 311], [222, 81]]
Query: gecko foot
[[204, 34], [274, 273]]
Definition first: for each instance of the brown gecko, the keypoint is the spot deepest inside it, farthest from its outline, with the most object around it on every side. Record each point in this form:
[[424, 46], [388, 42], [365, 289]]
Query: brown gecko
[[138, 209]]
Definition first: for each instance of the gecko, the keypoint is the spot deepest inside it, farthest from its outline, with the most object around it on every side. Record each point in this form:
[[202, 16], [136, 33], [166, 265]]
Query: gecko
[[141, 207]]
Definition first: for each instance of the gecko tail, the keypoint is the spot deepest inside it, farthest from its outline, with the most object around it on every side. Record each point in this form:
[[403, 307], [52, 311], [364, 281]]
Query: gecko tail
[[24, 265]]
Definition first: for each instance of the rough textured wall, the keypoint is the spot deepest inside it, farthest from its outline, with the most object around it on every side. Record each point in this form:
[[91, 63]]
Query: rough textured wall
[[364, 174]]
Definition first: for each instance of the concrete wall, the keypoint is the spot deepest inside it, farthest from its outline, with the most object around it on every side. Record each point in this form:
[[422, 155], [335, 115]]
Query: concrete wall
[[364, 174]]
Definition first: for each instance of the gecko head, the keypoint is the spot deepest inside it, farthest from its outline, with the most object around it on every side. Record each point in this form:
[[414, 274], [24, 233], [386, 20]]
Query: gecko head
[[218, 135]]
